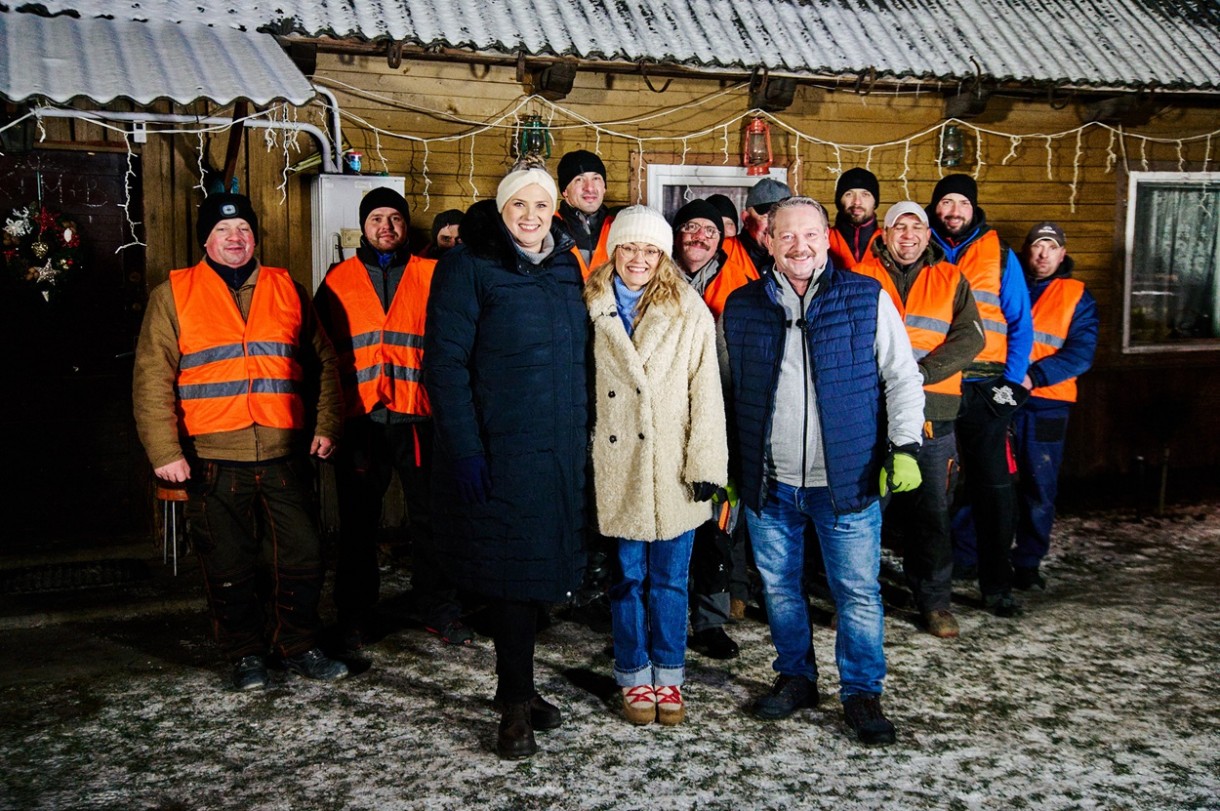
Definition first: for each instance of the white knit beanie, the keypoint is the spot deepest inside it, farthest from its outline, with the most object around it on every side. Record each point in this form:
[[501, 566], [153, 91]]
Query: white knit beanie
[[514, 182], [640, 224]]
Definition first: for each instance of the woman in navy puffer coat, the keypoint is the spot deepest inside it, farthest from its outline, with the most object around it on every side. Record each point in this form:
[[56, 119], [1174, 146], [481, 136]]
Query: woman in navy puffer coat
[[505, 370]]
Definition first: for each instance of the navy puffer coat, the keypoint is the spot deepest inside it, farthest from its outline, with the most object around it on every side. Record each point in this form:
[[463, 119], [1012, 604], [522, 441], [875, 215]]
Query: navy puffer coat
[[505, 370]]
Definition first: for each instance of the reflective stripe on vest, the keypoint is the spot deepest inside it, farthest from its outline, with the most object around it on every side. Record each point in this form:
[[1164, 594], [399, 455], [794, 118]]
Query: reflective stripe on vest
[[738, 269], [927, 313], [982, 264], [381, 356], [235, 373], [840, 250], [1052, 315]]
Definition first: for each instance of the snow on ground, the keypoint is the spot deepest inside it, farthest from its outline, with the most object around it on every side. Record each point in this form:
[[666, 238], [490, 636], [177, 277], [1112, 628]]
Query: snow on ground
[[1103, 697]]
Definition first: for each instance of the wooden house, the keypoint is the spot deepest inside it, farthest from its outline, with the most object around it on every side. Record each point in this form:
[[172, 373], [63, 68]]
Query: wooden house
[[1102, 115]]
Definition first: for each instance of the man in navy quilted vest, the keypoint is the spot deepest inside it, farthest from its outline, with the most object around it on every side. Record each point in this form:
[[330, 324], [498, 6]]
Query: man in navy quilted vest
[[827, 406]]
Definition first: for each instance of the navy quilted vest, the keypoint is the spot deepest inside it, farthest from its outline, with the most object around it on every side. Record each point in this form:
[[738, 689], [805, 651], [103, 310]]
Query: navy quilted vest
[[841, 327]]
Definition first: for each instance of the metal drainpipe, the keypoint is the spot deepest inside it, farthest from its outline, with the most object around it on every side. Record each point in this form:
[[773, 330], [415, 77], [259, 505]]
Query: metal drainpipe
[[329, 165], [336, 124]]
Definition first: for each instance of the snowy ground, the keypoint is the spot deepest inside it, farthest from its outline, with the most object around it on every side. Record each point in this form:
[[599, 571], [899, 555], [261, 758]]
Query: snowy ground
[[1104, 696]]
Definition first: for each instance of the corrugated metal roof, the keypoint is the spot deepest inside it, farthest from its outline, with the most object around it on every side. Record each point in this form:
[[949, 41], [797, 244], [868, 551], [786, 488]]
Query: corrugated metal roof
[[62, 58], [1083, 43]]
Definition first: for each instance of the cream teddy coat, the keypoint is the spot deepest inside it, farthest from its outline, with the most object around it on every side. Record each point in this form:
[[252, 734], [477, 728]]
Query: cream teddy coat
[[659, 423]]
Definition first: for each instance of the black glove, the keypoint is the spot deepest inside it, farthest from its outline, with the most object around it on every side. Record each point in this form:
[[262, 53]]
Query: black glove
[[1004, 397], [473, 479], [704, 491]]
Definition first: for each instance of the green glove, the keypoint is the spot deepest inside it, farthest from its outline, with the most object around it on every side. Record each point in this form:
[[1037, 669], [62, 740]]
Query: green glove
[[728, 492], [900, 473]]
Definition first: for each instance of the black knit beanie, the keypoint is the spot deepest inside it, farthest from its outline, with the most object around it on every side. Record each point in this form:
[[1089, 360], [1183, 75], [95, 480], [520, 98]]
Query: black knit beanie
[[382, 197], [857, 178], [217, 207], [956, 184], [577, 163], [724, 205]]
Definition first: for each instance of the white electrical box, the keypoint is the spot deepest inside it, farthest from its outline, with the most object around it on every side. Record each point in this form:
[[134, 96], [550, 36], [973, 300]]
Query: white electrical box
[[335, 202]]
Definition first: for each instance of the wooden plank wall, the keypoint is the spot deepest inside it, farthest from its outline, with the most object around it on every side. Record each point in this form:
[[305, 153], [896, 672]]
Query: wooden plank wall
[[429, 100]]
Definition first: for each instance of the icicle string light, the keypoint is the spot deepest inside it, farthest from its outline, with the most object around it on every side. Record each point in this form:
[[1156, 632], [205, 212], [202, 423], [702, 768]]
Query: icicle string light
[[906, 171], [128, 177], [1076, 169], [1014, 141], [563, 119]]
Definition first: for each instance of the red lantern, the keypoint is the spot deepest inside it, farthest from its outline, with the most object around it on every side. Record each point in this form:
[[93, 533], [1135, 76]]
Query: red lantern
[[756, 148]]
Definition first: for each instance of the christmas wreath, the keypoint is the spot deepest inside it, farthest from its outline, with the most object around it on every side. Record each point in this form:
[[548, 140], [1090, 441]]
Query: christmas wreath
[[40, 247]]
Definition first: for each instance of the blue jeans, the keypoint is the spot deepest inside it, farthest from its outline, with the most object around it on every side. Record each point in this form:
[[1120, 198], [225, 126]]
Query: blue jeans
[[851, 550], [648, 611]]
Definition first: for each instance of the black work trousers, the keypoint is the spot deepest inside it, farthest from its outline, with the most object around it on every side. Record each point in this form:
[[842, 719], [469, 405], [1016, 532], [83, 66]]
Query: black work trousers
[[987, 470], [232, 512], [370, 454]]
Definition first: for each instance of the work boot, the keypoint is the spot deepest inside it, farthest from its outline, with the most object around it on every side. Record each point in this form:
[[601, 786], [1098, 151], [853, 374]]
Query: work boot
[[516, 739], [863, 715], [1027, 577], [941, 623], [713, 643], [314, 664], [1003, 605], [787, 695], [250, 673], [544, 715], [454, 632], [737, 609]]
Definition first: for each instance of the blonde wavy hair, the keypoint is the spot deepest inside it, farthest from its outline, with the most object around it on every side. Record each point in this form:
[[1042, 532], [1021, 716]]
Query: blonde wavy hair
[[664, 289]]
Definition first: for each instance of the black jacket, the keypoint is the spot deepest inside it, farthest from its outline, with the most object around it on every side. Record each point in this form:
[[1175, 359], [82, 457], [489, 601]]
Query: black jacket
[[505, 370]]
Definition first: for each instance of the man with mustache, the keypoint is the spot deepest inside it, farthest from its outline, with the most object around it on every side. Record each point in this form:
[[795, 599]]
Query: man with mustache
[[992, 387], [857, 195], [698, 252], [819, 368]]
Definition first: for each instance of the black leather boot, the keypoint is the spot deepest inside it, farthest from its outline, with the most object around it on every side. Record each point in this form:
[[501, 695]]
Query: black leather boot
[[516, 739]]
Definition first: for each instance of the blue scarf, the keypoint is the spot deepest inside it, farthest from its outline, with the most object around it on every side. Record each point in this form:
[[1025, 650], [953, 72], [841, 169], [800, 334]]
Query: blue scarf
[[628, 302]]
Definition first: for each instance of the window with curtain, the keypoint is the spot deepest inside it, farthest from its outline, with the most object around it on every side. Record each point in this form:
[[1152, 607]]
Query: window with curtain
[[1172, 291]]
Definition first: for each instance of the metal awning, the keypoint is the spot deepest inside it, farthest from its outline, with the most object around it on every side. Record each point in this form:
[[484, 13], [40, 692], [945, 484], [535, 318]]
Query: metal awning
[[62, 58]]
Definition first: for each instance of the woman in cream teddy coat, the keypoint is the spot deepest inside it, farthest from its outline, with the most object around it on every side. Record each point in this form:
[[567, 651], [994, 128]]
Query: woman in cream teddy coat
[[659, 450]]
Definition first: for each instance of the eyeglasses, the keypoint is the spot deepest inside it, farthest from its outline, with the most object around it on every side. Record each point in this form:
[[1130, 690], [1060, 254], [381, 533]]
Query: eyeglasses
[[709, 231], [647, 251]]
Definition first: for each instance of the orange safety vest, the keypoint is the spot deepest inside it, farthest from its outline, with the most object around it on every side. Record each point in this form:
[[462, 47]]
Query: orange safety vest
[[927, 312], [840, 251], [599, 256], [235, 373], [1052, 315], [982, 264], [738, 269], [380, 354]]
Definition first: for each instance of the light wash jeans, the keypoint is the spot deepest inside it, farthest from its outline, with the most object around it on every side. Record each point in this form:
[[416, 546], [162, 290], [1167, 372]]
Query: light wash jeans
[[851, 550], [648, 608]]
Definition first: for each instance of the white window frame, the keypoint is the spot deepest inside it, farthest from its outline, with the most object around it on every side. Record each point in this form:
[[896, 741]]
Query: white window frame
[[1134, 180], [661, 175]]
